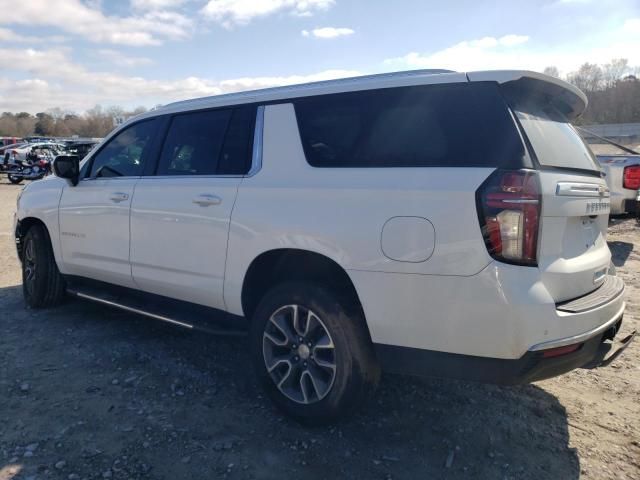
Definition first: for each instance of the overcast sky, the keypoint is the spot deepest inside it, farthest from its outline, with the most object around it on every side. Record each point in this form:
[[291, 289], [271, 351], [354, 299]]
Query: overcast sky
[[74, 54]]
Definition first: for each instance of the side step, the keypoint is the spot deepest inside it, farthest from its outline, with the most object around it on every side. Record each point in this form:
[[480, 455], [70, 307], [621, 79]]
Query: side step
[[182, 314]]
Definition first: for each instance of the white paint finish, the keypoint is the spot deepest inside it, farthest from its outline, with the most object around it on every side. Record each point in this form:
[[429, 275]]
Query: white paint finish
[[572, 247], [40, 199], [340, 212], [500, 313], [179, 229], [94, 229], [408, 239], [458, 301], [367, 82], [504, 76]]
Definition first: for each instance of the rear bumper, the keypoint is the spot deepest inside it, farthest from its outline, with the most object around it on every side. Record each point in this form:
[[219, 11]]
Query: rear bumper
[[500, 313], [621, 199], [532, 366]]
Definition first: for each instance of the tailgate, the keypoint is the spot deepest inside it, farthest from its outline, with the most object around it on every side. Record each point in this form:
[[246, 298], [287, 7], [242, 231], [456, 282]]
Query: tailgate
[[573, 255]]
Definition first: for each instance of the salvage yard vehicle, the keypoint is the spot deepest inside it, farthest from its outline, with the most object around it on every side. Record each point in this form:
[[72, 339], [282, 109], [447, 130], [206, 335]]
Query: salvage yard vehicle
[[22, 151], [7, 141], [5, 150], [622, 172], [428, 222]]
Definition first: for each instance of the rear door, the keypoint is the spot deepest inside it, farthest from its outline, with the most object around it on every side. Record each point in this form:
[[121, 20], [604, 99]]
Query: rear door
[[180, 216], [573, 255]]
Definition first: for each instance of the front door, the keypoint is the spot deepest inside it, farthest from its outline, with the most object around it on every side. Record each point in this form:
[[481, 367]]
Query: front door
[[94, 215]]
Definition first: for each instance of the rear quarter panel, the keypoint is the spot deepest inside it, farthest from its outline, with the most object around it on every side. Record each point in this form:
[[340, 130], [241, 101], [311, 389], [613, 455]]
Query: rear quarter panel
[[340, 213]]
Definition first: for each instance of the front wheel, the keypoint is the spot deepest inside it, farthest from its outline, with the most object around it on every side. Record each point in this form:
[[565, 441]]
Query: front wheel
[[42, 284], [14, 179], [312, 352]]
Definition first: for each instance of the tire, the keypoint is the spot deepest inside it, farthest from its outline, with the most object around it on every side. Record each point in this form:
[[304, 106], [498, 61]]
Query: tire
[[323, 394], [14, 180], [42, 284]]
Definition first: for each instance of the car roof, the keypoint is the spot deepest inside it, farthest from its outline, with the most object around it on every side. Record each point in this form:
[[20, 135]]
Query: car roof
[[370, 82], [366, 82]]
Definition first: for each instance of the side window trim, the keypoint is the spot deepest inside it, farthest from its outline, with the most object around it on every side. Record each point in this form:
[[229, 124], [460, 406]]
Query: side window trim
[[151, 160], [108, 140], [152, 163], [256, 153]]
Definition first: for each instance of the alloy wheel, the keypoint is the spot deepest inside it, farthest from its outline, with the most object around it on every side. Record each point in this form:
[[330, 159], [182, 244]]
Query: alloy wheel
[[299, 354], [30, 266]]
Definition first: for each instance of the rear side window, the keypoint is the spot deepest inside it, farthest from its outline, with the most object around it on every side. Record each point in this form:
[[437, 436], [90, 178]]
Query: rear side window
[[214, 142], [453, 125]]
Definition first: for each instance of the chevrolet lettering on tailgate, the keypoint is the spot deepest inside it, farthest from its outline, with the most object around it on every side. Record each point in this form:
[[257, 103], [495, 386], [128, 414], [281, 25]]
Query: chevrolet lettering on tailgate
[[597, 207]]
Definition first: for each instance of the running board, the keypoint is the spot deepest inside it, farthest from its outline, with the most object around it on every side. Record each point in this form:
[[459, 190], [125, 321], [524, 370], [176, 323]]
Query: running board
[[174, 312]]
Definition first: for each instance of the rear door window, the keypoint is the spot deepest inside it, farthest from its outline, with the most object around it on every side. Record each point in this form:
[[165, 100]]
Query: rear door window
[[213, 142], [453, 125]]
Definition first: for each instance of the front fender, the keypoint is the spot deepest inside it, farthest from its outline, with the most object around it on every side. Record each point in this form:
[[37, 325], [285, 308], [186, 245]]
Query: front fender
[[40, 200]]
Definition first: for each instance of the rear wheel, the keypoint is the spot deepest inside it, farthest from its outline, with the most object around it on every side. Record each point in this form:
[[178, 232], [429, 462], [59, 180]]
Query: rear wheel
[[312, 352], [42, 284]]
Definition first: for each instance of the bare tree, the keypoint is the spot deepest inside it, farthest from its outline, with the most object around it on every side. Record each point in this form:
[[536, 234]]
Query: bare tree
[[588, 78], [552, 71], [614, 71], [96, 122]]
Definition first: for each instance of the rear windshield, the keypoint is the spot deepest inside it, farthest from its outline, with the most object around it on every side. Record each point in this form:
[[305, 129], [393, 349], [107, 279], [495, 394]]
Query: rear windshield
[[555, 142], [452, 125]]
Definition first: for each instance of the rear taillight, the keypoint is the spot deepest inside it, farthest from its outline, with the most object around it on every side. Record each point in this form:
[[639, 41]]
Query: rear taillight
[[631, 178], [509, 210]]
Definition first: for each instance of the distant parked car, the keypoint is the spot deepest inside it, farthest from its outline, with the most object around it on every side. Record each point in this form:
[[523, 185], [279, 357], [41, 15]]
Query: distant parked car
[[5, 152], [621, 165], [22, 151], [6, 141]]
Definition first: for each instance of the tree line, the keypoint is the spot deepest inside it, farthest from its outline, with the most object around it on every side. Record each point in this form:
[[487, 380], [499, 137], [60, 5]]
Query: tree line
[[613, 90], [96, 122]]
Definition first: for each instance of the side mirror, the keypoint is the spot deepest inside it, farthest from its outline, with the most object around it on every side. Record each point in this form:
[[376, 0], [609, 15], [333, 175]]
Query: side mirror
[[67, 166]]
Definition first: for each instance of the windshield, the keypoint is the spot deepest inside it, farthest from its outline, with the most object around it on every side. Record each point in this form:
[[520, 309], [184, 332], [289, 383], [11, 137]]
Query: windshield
[[555, 142]]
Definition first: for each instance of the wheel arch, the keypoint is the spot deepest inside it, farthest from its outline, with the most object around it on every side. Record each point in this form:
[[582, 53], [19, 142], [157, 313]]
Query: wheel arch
[[22, 227], [289, 264]]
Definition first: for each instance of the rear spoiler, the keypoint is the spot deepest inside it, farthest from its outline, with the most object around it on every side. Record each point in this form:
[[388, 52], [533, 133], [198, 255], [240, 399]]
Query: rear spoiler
[[522, 83]]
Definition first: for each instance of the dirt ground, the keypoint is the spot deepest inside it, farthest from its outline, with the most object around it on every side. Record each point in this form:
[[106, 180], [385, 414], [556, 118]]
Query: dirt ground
[[88, 392]]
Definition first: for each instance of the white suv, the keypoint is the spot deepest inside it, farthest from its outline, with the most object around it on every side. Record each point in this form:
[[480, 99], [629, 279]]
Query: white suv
[[429, 222]]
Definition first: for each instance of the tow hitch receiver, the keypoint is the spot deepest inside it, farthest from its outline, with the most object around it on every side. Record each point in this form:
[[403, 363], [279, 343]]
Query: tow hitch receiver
[[624, 343]]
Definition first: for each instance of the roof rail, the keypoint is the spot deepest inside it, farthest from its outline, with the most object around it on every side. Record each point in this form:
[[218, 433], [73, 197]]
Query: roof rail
[[303, 86]]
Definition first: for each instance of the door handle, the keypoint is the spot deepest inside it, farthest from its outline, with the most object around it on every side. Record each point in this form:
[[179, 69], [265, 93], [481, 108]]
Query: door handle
[[118, 197], [207, 199]]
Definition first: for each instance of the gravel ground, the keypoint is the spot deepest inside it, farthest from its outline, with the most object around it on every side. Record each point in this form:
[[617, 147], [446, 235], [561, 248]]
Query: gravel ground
[[88, 392]]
